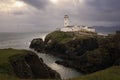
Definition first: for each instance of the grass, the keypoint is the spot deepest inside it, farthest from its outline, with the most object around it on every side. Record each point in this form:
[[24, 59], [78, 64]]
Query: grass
[[112, 73], [59, 36], [5, 67], [63, 37], [6, 53], [8, 77]]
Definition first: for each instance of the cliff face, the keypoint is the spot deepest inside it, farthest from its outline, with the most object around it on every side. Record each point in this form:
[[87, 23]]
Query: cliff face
[[85, 52], [69, 45], [27, 65], [106, 55]]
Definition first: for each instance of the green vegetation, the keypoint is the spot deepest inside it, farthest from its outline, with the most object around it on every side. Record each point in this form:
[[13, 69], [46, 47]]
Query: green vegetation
[[87, 53], [70, 42], [63, 37], [6, 53], [112, 73], [8, 77], [23, 64], [6, 71], [106, 55], [59, 36]]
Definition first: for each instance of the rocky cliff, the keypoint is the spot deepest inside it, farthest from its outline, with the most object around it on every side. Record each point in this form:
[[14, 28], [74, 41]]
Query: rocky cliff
[[106, 55], [69, 45], [85, 52], [24, 64]]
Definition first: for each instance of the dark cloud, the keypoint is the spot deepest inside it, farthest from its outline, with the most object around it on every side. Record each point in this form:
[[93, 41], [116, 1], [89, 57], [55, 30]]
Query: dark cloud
[[88, 12], [104, 10], [39, 4], [105, 5]]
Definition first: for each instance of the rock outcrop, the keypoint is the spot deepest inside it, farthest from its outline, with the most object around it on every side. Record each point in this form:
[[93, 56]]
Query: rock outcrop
[[84, 52], [31, 67], [69, 45], [37, 45], [106, 55], [25, 64]]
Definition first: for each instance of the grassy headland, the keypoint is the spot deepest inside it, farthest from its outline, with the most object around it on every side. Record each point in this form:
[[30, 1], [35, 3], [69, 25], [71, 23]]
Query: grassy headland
[[112, 73], [87, 53], [63, 37], [6, 70], [23, 64]]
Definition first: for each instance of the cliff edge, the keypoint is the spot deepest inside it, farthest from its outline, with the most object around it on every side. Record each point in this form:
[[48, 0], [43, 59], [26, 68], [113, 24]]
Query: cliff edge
[[86, 52], [23, 64]]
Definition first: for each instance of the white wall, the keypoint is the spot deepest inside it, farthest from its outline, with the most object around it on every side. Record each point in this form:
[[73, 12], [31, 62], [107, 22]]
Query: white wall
[[76, 28]]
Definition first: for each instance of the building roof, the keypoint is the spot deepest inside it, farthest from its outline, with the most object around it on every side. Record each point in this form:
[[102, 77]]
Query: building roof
[[66, 16]]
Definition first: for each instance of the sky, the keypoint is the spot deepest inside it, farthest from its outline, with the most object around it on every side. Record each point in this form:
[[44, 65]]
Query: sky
[[47, 15]]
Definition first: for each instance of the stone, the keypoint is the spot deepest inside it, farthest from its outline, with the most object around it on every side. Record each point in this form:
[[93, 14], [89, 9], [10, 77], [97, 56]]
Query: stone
[[37, 44]]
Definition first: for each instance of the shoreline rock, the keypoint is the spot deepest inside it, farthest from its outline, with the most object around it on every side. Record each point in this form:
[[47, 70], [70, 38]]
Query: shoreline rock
[[27, 65], [37, 44]]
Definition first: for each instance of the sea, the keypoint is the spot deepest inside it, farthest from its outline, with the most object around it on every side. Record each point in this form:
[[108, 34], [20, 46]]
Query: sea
[[23, 40]]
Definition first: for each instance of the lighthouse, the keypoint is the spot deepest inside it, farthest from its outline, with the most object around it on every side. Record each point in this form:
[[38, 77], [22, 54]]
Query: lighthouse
[[75, 28], [66, 20]]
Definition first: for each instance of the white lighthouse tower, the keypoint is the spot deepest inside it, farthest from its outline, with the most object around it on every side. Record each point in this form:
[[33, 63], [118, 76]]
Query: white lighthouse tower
[[75, 28], [66, 20]]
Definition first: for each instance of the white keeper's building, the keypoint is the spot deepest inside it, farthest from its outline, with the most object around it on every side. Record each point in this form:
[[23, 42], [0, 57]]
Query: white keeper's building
[[75, 28]]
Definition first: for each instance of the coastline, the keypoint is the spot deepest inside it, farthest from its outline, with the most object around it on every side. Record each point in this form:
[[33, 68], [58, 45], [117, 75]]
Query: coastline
[[23, 41], [65, 58], [79, 51]]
